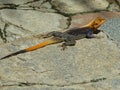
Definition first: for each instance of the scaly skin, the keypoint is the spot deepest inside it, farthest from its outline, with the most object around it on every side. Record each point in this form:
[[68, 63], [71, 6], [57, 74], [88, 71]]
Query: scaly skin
[[69, 37]]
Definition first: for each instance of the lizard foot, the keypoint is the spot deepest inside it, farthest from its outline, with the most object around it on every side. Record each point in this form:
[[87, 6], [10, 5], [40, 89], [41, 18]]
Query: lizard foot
[[63, 46]]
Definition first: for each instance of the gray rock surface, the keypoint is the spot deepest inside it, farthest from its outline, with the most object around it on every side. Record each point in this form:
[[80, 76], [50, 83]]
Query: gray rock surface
[[113, 5], [78, 6], [2, 35], [92, 64], [112, 28], [118, 2], [15, 1], [24, 23], [49, 66]]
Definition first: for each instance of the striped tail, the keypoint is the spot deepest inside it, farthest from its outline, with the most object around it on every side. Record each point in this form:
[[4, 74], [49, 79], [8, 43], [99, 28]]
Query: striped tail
[[32, 48]]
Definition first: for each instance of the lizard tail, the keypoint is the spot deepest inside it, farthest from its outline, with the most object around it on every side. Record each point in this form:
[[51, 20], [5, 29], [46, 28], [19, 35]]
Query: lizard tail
[[45, 43], [96, 23], [13, 54]]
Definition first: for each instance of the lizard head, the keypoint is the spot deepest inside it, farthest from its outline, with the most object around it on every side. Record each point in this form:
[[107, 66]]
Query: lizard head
[[96, 23]]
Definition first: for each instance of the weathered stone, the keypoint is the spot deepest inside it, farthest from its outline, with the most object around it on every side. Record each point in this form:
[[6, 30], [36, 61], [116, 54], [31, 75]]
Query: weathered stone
[[31, 22], [44, 87], [2, 35], [113, 5], [78, 6], [40, 5], [14, 1], [47, 7], [112, 28], [14, 32], [118, 2], [111, 83], [108, 84], [87, 62]]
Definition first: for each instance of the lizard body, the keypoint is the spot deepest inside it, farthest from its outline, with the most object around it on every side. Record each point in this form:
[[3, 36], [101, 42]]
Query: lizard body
[[68, 37]]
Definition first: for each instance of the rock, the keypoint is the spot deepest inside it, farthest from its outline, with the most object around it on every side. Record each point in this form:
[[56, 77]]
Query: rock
[[111, 83], [113, 5], [2, 32], [79, 6], [32, 5], [91, 60], [14, 1], [112, 28], [118, 2], [39, 5], [31, 22]]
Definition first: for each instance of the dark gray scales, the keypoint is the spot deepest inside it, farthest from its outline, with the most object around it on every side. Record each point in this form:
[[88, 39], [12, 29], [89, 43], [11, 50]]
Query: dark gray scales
[[69, 37]]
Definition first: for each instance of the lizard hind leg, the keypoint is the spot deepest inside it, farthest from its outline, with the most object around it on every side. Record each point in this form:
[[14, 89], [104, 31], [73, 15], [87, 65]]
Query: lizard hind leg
[[68, 43], [64, 46]]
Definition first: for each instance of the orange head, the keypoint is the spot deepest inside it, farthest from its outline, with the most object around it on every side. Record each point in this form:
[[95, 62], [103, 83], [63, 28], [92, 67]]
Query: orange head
[[96, 23]]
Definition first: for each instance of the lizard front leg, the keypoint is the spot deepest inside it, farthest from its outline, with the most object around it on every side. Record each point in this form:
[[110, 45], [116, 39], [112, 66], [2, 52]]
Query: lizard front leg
[[68, 42], [90, 34]]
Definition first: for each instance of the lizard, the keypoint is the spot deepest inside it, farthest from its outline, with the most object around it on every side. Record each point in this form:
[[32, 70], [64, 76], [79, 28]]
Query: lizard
[[68, 37]]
